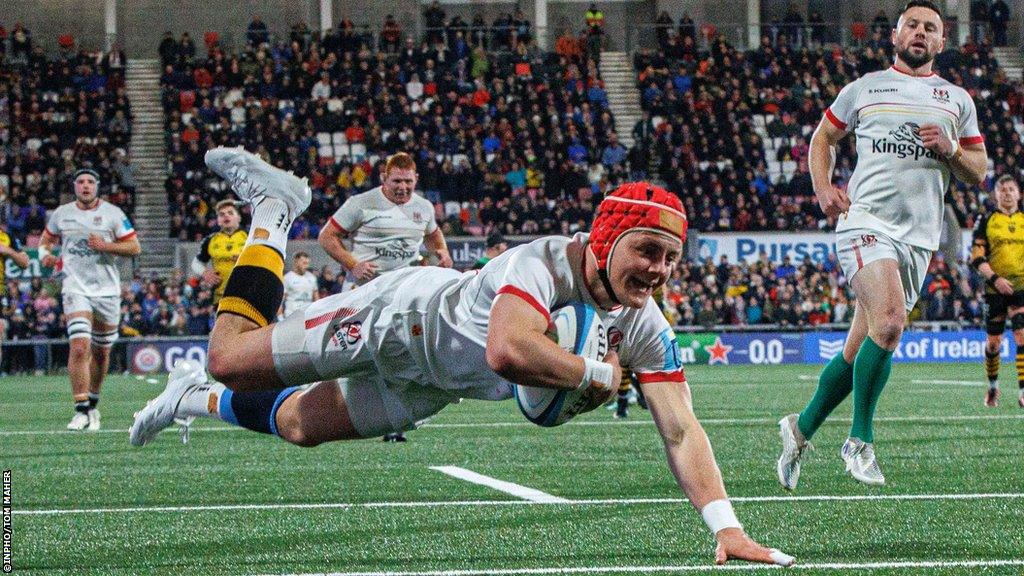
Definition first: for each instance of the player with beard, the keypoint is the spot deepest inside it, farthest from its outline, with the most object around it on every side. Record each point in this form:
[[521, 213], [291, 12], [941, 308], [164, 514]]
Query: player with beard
[[914, 131]]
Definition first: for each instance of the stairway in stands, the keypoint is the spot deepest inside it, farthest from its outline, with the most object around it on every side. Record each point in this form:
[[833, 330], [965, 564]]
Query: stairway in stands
[[1010, 60], [150, 160], [623, 96]]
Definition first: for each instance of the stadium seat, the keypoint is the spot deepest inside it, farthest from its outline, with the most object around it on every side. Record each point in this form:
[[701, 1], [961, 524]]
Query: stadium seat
[[788, 169], [339, 139], [324, 138]]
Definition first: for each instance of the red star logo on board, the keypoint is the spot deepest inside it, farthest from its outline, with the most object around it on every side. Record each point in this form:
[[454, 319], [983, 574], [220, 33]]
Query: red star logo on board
[[719, 352]]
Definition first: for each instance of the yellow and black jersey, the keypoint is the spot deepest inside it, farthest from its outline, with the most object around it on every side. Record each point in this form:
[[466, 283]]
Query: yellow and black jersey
[[999, 240], [10, 242], [222, 250]]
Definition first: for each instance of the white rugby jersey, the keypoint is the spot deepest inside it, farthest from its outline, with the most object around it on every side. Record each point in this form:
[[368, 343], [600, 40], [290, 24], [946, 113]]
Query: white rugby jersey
[[898, 184], [87, 271], [298, 291], [547, 274], [381, 231]]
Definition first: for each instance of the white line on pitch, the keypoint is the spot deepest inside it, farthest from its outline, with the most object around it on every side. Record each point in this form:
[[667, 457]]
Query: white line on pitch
[[950, 382], [688, 568], [525, 424], [516, 490], [472, 503]]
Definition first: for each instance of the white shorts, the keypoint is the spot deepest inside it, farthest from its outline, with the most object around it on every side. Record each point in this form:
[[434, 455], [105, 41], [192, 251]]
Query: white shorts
[[858, 248], [362, 338], [104, 309]]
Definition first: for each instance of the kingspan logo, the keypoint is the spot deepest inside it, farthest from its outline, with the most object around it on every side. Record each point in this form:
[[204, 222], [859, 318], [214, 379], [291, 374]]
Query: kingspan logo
[[905, 143]]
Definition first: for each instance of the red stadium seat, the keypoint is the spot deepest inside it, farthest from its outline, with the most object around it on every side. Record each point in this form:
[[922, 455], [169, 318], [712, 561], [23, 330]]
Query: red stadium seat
[[66, 41]]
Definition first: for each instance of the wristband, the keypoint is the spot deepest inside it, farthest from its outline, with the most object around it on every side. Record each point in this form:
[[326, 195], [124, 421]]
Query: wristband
[[594, 371], [953, 152], [719, 515], [992, 281]]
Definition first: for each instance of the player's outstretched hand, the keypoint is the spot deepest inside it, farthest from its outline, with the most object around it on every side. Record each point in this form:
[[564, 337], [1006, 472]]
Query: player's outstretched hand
[[833, 201], [211, 277], [734, 544]]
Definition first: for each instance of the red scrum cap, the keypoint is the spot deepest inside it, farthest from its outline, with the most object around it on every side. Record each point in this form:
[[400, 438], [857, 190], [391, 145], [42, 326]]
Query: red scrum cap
[[631, 207]]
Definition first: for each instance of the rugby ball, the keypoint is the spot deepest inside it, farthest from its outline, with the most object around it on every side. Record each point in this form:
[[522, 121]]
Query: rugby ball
[[577, 329]]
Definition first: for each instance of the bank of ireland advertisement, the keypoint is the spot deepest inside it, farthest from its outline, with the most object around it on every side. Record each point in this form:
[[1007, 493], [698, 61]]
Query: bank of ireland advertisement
[[953, 346]]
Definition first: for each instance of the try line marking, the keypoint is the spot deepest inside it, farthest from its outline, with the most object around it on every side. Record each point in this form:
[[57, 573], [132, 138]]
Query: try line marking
[[525, 424], [471, 503], [688, 568], [516, 490]]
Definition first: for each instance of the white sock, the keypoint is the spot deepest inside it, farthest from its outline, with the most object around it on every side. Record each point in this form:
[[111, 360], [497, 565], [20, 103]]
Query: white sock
[[270, 224], [202, 400]]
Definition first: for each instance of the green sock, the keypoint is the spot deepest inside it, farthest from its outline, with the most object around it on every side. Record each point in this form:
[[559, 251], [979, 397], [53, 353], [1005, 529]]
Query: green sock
[[834, 385], [871, 370]]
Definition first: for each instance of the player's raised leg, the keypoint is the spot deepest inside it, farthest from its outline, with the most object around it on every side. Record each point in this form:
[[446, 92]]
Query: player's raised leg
[[834, 384], [240, 344], [879, 290]]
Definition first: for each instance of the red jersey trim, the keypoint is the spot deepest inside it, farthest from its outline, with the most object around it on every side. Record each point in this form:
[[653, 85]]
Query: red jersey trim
[[835, 121], [969, 140], [649, 377], [127, 236], [528, 298], [334, 223]]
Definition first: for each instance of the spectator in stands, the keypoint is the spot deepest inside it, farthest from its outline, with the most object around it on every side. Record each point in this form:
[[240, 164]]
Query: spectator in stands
[[168, 49], [390, 35], [999, 15], [979, 19], [257, 32], [434, 18], [881, 24]]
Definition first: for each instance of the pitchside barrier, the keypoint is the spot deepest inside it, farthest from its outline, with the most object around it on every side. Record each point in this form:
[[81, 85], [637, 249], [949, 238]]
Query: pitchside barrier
[[698, 345]]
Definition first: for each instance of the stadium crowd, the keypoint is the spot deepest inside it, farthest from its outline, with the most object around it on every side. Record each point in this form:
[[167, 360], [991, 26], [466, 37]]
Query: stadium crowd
[[488, 116], [507, 138], [59, 111]]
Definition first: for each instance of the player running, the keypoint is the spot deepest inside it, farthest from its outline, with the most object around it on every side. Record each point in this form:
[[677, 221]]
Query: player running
[[300, 287], [998, 255], [93, 233], [402, 347], [914, 130]]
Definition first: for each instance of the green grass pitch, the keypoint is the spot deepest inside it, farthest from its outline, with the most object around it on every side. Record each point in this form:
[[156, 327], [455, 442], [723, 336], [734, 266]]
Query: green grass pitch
[[933, 437]]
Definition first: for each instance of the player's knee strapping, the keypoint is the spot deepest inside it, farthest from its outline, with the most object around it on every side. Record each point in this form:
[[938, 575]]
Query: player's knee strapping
[[104, 338], [1017, 321], [79, 328], [256, 285]]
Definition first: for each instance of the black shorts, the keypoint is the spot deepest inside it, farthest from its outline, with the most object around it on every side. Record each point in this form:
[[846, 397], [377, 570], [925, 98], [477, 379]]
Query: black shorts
[[996, 306]]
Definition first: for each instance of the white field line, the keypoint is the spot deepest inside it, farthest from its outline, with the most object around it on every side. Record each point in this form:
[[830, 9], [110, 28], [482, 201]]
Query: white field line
[[927, 564], [525, 424], [517, 490], [472, 503], [972, 383]]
